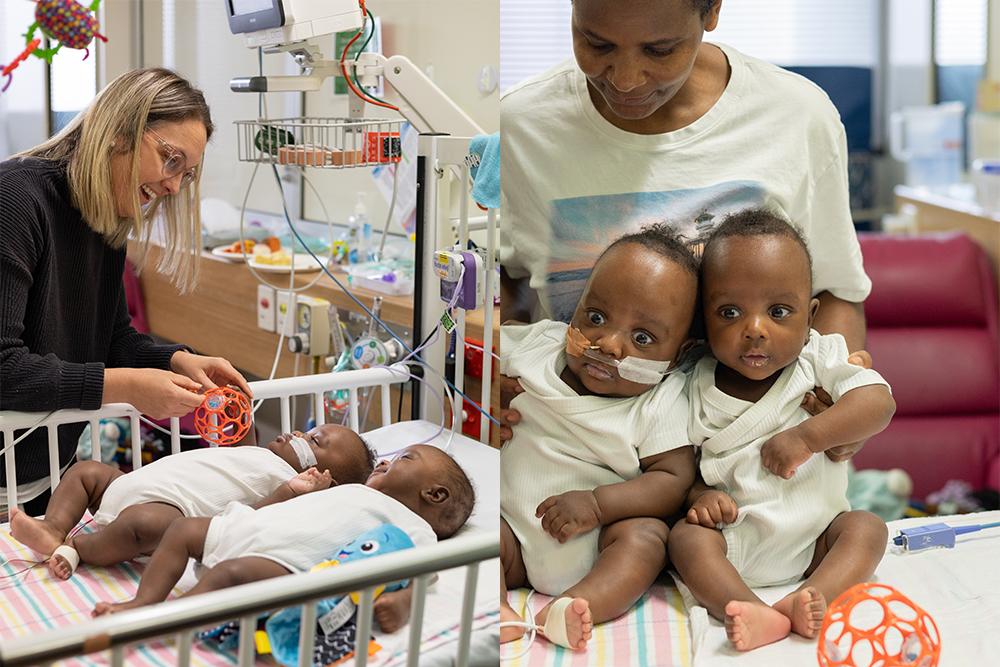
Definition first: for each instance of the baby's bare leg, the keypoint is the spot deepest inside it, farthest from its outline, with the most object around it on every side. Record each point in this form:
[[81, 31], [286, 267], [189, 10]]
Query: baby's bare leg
[[136, 531], [82, 487], [631, 554], [392, 609], [699, 554], [237, 571], [847, 553], [512, 572], [184, 539]]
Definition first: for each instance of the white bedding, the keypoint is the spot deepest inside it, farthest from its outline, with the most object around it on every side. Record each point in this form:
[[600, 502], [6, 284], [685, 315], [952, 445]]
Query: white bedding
[[959, 588], [444, 598]]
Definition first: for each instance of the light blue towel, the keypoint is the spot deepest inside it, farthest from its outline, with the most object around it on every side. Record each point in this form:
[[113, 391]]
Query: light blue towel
[[486, 175]]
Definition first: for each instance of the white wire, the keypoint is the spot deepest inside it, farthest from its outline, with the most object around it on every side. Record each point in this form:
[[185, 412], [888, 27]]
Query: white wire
[[392, 201], [531, 627], [480, 348], [26, 433]]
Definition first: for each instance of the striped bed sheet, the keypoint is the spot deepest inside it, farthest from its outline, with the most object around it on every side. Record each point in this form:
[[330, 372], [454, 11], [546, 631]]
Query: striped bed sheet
[[654, 633], [31, 601]]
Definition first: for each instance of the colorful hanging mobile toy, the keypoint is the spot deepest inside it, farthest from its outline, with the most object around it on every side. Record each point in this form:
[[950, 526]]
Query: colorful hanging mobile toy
[[224, 409], [65, 21]]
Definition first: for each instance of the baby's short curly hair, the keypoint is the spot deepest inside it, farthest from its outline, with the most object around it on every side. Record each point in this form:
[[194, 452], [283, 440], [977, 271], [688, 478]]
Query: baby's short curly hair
[[755, 222], [662, 239]]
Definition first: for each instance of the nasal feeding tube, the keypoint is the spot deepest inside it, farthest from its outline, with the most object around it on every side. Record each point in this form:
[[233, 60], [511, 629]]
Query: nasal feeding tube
[[634, 369]]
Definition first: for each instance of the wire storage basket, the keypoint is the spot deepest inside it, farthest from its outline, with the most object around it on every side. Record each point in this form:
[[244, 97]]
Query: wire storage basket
[[327, 143]]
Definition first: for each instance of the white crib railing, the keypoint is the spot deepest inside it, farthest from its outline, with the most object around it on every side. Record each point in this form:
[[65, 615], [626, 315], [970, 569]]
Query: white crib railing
[[283, 389], [182, 617]]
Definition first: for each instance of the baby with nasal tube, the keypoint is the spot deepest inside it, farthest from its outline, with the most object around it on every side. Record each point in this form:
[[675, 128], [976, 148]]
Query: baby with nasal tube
[[601, 456], [133, 510], [422, 490]]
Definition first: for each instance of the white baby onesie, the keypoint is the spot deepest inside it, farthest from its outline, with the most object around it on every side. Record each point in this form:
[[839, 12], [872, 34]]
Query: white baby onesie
[[200, 482], [569, 442], [772, 540], [305, 530]]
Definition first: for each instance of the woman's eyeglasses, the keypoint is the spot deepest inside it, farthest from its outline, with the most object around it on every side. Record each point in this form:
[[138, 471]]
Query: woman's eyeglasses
[[173, 161]]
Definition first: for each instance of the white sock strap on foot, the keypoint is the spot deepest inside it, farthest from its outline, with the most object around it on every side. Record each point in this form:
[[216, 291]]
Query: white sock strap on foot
[[68, 554], [555, 623]]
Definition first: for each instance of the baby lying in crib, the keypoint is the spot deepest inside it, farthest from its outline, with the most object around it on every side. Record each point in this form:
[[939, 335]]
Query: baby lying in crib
[[423, 491], [135, 509]]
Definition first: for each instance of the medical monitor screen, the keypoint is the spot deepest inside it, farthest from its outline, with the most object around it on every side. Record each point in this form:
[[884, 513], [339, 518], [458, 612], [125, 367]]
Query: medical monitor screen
[[241, 7], [253, 15]]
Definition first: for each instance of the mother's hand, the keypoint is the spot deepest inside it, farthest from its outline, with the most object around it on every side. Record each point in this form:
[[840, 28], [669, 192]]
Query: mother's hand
[[820, 400], [509, 388], [209, 372]]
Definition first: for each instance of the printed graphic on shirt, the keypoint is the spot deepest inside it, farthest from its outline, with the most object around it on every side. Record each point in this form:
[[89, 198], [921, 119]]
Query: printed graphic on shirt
[[582, 227]]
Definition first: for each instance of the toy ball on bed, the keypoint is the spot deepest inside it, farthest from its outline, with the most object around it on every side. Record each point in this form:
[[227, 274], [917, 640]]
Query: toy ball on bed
[[874, 624], [223, 418]]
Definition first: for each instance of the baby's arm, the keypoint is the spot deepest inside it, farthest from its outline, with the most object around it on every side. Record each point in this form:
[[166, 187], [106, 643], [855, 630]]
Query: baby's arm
[[658, 492], [858, 415], [306, 481]]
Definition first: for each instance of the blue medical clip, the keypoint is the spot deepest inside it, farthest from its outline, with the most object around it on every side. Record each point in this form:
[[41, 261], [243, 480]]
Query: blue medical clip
[[934, 535]]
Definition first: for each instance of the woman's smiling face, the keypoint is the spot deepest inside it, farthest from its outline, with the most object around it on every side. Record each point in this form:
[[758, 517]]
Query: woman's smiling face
[[636, 55]]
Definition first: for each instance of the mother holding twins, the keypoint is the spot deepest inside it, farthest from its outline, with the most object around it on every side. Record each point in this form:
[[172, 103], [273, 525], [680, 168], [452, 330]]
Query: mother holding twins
[[649, 123]]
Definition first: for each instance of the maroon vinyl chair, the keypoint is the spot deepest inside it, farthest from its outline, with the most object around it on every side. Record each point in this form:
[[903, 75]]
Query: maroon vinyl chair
[[932, 333]]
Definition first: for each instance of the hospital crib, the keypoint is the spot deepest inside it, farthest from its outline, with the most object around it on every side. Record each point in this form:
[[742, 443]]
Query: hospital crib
[[180, 619]]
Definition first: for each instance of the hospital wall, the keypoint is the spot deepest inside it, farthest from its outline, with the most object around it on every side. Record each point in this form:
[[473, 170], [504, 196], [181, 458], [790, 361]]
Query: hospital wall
[[451, 41]]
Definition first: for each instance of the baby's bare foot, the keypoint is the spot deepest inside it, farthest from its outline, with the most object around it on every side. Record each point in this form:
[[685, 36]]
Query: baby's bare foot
[[579, 623], [34, 533], [59, 567], [103, 608], [808, 607], [510, 632], [750, 624]]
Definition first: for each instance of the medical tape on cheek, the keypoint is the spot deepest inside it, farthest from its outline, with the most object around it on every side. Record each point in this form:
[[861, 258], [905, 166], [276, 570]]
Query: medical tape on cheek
[[633, 369], [643, 371], [305, 453]]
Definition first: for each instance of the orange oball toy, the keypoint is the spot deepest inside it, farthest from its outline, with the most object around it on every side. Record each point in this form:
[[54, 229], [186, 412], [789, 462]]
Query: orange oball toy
[[874, 624], [224, 416]]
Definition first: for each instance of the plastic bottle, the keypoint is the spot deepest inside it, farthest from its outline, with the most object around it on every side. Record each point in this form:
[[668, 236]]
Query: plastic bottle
[[353, 237], [361, 232]]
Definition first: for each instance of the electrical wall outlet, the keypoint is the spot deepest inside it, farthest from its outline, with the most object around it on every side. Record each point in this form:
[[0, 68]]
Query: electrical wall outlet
[[265, 307], [284, 316]]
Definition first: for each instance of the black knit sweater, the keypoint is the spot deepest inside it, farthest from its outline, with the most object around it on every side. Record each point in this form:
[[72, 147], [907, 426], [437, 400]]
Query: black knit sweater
[[63, 316]]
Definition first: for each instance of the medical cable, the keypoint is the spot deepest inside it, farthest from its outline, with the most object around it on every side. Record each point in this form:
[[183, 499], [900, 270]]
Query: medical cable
[[26, 433], [392, 205], [531, 628], [365, 308], [343, 67], [480, 348], [932, 535]]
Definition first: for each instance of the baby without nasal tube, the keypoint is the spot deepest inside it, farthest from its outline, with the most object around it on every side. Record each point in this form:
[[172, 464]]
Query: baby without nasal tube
[[634, 369]]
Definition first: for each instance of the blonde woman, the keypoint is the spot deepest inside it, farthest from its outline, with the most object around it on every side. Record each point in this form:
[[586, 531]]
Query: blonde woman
[[67, 208]]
